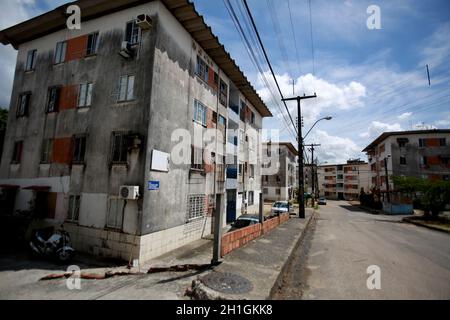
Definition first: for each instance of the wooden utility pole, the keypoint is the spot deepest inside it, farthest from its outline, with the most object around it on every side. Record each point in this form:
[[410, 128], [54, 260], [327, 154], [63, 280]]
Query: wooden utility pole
[[313, 175], [301, 189]]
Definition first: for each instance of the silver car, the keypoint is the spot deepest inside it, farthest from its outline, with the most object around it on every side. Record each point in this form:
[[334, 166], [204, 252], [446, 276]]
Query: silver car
[[280, 207]]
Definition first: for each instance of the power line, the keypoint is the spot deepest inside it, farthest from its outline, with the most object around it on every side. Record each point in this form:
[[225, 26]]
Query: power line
[[267, 60], [253, 56], [312, 38], [295, 45]]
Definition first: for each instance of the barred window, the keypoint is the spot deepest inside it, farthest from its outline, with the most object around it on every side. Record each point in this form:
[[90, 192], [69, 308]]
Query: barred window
[[115, 213], [74, 208], [196, 206]]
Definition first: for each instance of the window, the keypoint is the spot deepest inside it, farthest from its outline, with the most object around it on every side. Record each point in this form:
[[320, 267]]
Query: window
[[115, 213], [126, 88], [266, 178], [17, 152], [197, 158], [200, 113], [242, 111], [60, 53], [31, 60], [47, 147], [53, 99], [24, 104], [251, 198], [79, 149], [74, 208], [222, 120], [119, 148], [278, 191], [223, 93], [424, 161], [442, 142], [252, 171], [252, 119], [92, 44], [403, 160], [196, 207], [265, 191], [422, 143], [133, 33], [202, 69], [85, 95]]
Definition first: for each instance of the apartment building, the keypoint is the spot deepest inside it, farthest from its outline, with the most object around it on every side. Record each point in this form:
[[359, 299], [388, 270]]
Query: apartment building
[[343, 181], [280, 185], [105, 121], [421, 153]]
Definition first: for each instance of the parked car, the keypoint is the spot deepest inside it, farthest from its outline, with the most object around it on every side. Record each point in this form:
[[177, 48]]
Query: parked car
[[322, 201], [244, 221], [280, 207]]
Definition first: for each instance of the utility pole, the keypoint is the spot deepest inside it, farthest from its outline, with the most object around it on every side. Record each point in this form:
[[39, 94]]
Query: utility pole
[[387, 180], [312, 170], [301, 191]]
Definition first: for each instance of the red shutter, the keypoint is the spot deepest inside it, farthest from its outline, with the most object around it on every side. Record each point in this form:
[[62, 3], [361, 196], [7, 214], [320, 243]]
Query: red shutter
[[209, 119], [76, 48], [62, 151], [68, 97]]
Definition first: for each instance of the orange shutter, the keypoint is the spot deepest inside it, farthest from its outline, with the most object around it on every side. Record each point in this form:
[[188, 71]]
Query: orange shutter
[[432, 142], [433, 161], [76, 48], [62, 151], [69, 97], [209, 119]]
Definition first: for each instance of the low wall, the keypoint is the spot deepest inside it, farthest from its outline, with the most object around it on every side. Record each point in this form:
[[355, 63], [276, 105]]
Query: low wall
[[238, 238], [396, 208]]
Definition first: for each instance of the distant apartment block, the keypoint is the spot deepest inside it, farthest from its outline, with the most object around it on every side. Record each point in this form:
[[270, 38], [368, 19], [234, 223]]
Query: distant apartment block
[[343, 181], [422, 154], [280, 186]]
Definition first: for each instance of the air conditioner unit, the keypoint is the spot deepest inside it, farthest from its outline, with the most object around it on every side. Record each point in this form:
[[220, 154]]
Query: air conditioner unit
[[129, 192], [144, 22], [126, 50]]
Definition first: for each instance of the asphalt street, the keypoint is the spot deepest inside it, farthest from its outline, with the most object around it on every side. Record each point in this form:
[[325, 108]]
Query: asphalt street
[[333, 261]]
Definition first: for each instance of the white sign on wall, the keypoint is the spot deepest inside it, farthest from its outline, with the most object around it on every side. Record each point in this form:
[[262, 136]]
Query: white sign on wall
[[160, 161]]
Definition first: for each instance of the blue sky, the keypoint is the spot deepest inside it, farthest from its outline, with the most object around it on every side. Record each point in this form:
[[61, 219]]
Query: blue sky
[[370, 81]]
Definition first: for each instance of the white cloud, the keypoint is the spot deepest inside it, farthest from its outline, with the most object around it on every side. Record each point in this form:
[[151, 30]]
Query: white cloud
[[376, 128], [405, 115], [335, 149], [331, 96], [436, 49]]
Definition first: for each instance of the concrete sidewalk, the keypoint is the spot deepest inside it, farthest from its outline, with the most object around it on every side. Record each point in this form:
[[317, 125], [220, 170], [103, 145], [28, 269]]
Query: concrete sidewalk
[[253, 271], [260, 262]]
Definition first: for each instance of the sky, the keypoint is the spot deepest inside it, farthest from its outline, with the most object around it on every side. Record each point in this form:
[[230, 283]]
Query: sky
[[369, 81]]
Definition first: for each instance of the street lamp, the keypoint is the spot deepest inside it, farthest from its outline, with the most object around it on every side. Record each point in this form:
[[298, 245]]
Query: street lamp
[[326, 118]]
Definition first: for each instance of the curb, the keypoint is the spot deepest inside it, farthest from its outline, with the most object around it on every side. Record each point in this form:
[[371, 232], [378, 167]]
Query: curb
[[279, 280], [199, 291], [425, 225]]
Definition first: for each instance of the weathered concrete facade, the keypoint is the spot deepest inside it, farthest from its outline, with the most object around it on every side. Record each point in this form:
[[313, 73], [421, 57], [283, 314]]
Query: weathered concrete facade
[[422, 154], [164, 85], [343, 181]]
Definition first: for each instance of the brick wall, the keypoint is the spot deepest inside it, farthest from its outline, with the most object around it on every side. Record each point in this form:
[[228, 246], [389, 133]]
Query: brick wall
[[236, 239]]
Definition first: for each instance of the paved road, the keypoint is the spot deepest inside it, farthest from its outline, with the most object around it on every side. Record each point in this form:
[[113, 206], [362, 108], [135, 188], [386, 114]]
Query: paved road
[[332, 264]]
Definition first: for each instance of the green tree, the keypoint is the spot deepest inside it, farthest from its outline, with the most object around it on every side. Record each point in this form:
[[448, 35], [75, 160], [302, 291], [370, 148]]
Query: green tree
[[433, 195]]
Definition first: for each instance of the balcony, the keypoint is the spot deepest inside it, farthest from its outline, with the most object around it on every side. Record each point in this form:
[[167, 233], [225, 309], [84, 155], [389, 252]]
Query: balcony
[[232, 149], [231, 184], [233, 116]]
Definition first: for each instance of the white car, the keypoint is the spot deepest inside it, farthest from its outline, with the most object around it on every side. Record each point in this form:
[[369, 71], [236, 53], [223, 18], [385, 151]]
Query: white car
[[280, 207]]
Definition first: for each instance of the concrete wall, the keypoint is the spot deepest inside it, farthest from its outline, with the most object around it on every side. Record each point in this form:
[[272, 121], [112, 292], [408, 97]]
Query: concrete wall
[[165, 89]]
